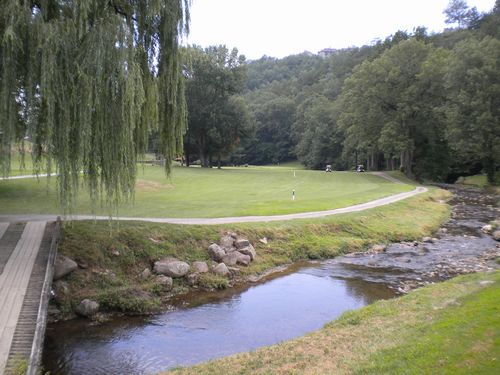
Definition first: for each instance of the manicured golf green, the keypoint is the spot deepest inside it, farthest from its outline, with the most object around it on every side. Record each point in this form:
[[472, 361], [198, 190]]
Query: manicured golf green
[[200, 192]]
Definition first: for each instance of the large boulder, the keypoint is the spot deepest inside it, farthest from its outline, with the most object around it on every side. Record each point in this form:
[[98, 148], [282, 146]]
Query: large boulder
[[243, 259], [231, 258], [199, 267], [240, 243], [496, 235], [87, 308], [171, 267], [165, 281], [235, 257], [63, 266], [216, 252], [221, 269], [227, 243], [250, 251]]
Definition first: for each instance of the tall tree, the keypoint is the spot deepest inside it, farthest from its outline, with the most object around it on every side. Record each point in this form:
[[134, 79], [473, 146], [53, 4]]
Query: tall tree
[[214, 75], [474, 109], [458, 12], [85, 81]]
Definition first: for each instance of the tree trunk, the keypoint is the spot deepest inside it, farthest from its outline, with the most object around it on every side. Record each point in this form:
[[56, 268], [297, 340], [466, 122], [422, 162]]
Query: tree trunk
[[489, 163], [218, 161], [202, 147], [406, 163]]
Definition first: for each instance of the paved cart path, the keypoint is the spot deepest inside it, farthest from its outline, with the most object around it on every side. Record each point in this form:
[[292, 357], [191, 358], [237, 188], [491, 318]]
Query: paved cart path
[[229, 220]]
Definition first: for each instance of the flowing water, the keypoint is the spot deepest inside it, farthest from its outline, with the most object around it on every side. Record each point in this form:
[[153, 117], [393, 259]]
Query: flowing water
[[211, 325]]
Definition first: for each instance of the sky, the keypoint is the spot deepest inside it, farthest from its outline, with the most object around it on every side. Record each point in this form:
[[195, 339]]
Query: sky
[[280, 28]]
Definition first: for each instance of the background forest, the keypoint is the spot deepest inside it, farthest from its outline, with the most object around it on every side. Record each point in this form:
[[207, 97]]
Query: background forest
[[427, 104]]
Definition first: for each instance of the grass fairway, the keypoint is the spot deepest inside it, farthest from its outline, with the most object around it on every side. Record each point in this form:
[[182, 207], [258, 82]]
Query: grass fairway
[[447, 328], [200, 192]]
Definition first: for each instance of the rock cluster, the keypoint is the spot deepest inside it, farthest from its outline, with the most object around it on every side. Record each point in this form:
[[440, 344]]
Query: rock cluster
[[231, 250]]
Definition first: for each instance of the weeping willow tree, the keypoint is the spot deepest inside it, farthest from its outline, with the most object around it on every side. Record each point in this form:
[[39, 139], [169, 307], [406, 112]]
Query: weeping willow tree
[[85, 81]]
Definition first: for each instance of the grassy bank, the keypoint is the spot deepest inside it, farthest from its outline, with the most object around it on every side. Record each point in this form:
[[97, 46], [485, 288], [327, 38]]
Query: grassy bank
[[113, 259], [204, 192], [446, 328]]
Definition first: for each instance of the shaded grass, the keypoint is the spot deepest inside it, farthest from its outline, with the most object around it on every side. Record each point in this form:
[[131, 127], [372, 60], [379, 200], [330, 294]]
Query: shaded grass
[[446, 328], [140, 244], [479, 180], [202, 192]]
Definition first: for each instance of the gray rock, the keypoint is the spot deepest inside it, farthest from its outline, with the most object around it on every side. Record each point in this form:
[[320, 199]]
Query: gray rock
[[199, 267], [87, 308], [488, 228], [63, 266], [216, 252], [231, 258], [146, 274], [243, 259], [496, 235], [240, 243], [427, 240], [250, 251], [227, 243], [235, 257], [221, 269], [263, 240], [171, 267], [165, 281], [378, 249], [192, 279]]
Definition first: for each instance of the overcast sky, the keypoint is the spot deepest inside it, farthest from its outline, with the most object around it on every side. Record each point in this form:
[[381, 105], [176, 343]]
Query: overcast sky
[[284, 27]]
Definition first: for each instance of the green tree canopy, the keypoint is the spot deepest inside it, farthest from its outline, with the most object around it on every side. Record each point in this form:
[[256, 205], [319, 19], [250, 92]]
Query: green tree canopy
[[85, 80], [217, 120], [473, 112]]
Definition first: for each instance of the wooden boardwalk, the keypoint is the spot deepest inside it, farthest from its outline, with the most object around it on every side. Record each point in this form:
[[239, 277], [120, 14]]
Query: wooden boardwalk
[[25, 275]]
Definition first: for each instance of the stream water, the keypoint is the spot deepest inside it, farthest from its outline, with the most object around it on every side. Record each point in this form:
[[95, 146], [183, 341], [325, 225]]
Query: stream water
[[303, 299]]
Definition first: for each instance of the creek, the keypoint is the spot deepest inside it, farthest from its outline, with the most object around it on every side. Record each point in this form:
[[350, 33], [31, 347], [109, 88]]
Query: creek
[[210, 325]]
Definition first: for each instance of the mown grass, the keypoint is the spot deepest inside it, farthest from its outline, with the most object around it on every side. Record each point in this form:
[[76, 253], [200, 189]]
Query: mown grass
[[479, 180], [446, 328], [201, 192], [140, 244]]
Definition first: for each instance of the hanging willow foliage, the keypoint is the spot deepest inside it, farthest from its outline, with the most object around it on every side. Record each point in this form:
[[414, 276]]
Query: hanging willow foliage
[[86, 80]]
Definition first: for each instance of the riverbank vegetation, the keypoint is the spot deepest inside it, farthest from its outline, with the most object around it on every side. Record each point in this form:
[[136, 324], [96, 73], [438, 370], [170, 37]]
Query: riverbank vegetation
[[446, 328], [112, 259]]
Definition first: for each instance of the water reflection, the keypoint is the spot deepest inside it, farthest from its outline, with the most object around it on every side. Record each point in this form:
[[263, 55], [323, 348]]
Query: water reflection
[[265, 314]]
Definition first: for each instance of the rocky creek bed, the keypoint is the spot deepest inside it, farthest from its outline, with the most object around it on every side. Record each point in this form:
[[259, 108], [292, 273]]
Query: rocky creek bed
[[465, 244], [286, 304]]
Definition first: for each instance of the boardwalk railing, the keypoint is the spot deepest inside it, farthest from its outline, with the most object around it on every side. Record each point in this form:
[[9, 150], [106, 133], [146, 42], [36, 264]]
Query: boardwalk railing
[[41, 322]]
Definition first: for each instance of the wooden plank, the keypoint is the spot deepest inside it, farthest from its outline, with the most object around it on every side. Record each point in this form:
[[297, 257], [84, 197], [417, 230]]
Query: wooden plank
[[13, 283]]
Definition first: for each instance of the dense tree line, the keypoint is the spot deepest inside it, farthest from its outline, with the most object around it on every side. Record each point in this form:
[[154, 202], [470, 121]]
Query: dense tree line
[[426, 104]]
